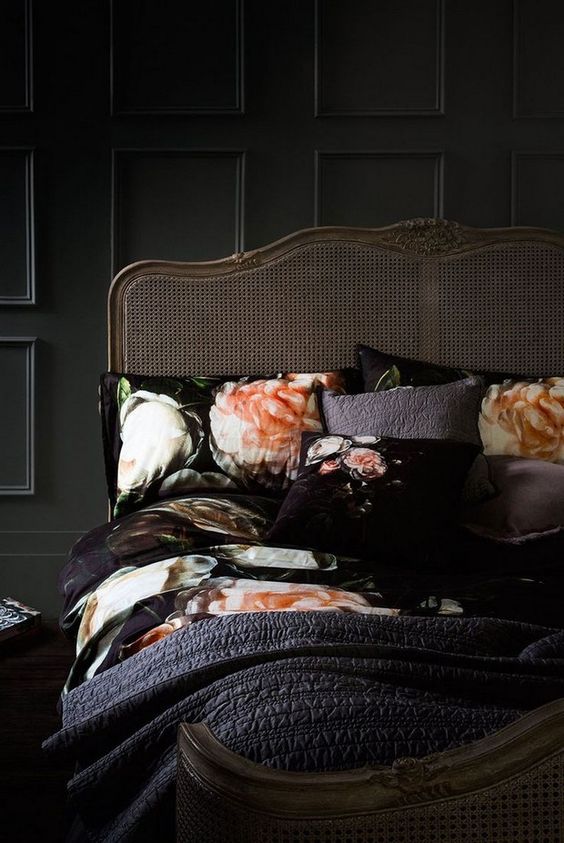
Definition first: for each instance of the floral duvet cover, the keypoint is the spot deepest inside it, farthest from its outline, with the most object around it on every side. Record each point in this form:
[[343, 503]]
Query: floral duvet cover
[[294, 659], [142, 577]]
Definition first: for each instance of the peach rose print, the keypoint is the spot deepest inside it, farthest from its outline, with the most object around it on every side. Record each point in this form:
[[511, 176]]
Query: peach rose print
[[152, 637], [524, 419], [364, 464], [328, 466], [256, 427], [225, 596]]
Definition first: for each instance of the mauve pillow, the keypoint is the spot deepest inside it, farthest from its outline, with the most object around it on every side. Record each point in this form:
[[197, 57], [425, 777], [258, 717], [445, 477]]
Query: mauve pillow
[[530, 503], [448, 411]]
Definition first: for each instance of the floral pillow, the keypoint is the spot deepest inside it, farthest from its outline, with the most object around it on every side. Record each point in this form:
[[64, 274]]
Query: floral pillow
[[167, 436], [376, 498], [382, 371], [385, 371], [524, 418]]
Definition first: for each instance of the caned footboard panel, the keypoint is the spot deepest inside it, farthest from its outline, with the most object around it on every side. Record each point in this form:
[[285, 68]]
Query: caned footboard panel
[[505, 788]]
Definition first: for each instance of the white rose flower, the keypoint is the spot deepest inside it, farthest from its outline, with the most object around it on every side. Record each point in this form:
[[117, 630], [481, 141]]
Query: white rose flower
[[328, 446], [158, 438]]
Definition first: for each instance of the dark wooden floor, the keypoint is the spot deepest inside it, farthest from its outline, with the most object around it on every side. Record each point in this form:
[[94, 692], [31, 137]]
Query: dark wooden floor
[[32, 787]]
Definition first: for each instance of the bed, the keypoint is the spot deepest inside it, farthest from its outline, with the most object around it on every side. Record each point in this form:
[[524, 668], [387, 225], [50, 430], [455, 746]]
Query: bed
[[429, 290]]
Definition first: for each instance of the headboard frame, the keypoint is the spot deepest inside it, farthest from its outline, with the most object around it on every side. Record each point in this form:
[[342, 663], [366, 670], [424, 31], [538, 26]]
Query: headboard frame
[[430, 289]]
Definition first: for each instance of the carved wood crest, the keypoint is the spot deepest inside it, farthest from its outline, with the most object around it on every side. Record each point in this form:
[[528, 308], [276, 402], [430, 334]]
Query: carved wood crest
[[418, 778], [424, 236]]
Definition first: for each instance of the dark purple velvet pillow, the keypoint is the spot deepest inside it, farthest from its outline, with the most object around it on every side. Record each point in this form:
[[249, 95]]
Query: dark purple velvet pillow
[[529, 504], [374, 498]]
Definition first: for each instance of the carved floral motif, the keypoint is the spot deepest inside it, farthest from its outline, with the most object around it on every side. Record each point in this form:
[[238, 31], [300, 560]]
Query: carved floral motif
[[411, 772], [427, 236]]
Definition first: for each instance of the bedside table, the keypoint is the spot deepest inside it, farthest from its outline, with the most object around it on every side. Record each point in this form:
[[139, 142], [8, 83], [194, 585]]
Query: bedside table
[[33, 669]]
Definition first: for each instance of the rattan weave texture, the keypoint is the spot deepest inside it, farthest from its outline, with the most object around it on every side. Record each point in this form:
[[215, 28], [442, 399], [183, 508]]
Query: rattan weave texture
[[525, 809], [498, 308]]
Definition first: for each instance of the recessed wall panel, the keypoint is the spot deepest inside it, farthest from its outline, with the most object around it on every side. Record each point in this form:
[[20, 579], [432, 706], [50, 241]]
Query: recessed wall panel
[[15, 56], [177, 205], [377, 188], [177, 57], [16, 418], [16, 227], [379, 58], [538, 189], [538, 58]]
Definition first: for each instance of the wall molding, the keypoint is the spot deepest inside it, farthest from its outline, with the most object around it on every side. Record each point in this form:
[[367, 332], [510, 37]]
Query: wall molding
[[28, 344], [320, 155], [238, 107], [238, 154], [517, 113], [436, 111], [28, 298], [27, 106], [516, 157]]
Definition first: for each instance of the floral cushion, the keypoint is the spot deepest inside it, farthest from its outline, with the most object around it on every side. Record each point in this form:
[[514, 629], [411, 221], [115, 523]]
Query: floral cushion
[[376, 498], [167, 436], [524, 418]]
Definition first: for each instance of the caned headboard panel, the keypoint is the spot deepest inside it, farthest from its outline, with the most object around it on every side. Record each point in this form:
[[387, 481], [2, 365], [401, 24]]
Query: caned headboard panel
[[489, 299]]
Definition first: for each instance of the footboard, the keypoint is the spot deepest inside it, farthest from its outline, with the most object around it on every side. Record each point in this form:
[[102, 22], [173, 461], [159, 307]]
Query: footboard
[[506, 788]]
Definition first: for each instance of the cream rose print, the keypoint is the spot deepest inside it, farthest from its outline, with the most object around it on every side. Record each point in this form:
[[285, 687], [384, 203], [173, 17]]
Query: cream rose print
[[119, 592], [525, 419], [256, 426], [161, 438], [225, 595]]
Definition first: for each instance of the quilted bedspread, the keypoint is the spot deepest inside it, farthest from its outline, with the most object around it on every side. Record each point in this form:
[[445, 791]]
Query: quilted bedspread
[[302, 691], [295, 659]]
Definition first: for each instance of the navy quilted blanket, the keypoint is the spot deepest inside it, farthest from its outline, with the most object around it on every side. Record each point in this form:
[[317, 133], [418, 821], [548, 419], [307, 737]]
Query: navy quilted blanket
[[299, 691], [295, 659]]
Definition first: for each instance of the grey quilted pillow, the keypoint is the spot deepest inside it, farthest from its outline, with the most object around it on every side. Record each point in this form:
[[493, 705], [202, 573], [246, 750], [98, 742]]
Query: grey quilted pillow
[[447, 411]]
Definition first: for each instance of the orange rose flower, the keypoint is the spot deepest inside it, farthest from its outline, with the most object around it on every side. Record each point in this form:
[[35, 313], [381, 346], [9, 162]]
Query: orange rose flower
[[256, 426], [151, 637], [226, 596], [524, 419]]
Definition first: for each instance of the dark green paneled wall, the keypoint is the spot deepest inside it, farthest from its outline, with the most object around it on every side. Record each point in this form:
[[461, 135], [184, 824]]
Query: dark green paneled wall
[[175, 129]]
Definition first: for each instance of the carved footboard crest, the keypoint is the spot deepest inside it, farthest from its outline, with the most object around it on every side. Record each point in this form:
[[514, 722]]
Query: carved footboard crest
[[506, 788]]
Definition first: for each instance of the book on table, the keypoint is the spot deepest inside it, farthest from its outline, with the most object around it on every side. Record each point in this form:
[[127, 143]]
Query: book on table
[[16, 618]]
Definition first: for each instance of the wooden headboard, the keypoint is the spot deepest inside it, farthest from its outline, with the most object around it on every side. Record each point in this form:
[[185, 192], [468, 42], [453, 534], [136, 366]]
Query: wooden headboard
[[430, 289]]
